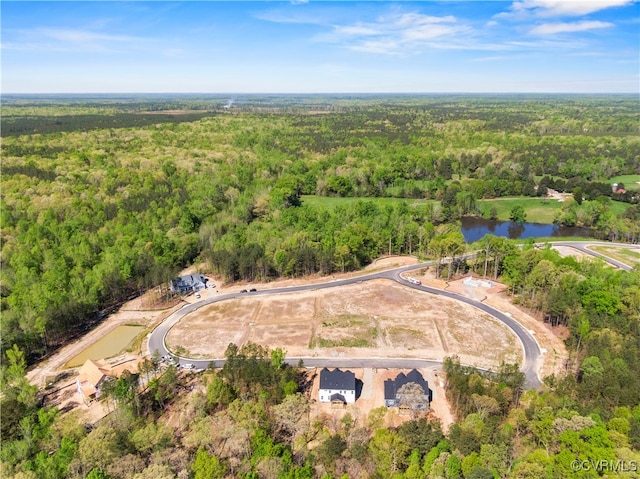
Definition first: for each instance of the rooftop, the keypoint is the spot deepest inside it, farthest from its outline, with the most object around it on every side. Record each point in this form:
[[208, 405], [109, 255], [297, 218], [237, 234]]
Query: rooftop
[[337, 379]]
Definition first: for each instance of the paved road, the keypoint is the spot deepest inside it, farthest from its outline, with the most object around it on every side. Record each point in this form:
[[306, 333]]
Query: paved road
[[532, 352], [584, 247]]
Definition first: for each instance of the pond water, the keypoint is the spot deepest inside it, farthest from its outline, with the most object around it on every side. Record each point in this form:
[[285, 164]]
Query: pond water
[[108, 346], [474, 228]]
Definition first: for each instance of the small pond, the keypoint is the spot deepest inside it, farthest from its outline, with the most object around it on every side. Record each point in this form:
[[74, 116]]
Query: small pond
[[474, 228], [110, 345]]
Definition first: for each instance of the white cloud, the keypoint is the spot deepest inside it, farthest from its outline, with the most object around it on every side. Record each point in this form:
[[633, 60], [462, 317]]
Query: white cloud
[[412, 19], [396, 34], [551, 8], [554, 28], [357, 30]]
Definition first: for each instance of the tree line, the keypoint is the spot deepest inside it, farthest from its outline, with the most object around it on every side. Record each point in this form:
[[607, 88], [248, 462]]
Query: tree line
[[90, 218]]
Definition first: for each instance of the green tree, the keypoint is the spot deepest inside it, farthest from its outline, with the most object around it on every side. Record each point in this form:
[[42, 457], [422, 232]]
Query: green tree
[[207, 466], [518, 214], [578, 195], [389, 451]]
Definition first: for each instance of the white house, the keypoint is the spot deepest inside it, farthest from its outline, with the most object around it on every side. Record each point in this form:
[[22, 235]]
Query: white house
[[336, 385]]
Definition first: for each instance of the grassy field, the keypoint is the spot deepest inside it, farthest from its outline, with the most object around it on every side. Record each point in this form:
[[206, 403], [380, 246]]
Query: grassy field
[[332, 202], [539, 210], [631, 182], [625, 255]]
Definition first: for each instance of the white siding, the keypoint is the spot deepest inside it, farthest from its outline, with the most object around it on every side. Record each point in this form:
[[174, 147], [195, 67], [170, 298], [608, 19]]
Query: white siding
[[325, 395]]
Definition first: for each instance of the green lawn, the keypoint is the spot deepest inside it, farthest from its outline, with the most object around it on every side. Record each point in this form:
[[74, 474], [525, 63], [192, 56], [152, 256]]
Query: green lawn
[[631, 182], [539, 210]]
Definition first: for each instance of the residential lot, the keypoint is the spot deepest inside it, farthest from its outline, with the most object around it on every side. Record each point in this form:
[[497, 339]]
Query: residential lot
[[372, 397], [372, 319]]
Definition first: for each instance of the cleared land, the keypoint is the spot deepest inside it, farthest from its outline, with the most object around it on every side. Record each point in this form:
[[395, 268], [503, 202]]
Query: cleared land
[[373, 319], [620, 253]]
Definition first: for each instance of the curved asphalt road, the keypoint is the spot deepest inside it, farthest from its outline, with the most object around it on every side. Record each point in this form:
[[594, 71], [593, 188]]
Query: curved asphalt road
[[532, 352], [584, 247]]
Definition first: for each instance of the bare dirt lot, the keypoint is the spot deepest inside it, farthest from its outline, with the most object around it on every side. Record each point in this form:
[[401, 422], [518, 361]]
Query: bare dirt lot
[[373, 319]]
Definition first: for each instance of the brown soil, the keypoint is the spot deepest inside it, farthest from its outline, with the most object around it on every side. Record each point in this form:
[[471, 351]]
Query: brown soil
[[374, 319], [392, 320], [372, 397], [132, 312], [550, 340]]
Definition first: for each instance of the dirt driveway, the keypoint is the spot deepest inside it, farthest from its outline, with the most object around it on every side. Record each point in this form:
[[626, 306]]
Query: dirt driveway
[[372, 397]]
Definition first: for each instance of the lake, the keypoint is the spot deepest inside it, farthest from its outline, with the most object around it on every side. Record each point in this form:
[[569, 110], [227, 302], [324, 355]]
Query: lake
[[474, 228]]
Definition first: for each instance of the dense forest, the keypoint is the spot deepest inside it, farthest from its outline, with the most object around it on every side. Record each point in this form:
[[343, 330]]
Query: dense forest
[[105, 198], [94, 215]]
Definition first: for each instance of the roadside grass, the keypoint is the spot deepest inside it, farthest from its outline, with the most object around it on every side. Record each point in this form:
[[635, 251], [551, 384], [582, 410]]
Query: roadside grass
[[621, 254], [135, 346], [182, 351], [631, 182], [341, 343]]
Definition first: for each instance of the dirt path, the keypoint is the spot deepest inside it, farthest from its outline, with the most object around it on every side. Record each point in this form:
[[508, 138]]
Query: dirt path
[[132, 312]]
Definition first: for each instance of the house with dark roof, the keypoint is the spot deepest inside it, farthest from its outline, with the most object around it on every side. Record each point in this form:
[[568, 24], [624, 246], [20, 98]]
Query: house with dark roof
[[337, 386], [188, 283], [394, 398]]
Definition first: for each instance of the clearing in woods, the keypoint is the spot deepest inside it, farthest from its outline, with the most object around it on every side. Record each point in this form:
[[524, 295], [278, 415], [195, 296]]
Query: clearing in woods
[[374, 319]]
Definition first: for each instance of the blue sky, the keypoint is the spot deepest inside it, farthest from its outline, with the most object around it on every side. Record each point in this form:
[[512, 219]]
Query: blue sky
[[537, 46]]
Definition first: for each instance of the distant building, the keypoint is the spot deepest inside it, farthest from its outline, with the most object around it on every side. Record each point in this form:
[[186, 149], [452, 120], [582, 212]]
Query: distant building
[[394, 399], [337, 386], [188, 283]]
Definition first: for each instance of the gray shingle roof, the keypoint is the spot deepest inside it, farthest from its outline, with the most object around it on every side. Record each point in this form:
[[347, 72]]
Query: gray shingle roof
[[336, 379], [391, 386]]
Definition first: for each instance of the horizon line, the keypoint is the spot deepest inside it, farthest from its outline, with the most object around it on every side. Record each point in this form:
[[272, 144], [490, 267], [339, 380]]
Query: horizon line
[[325, 93]]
